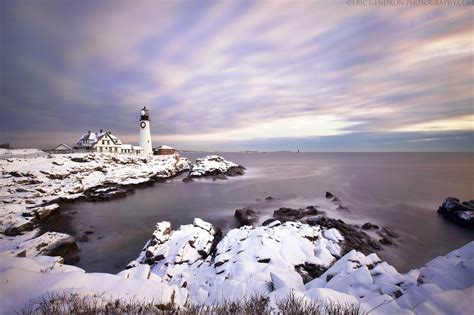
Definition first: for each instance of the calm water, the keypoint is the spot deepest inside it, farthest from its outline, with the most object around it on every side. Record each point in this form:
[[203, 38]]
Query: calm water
[[400, 190]]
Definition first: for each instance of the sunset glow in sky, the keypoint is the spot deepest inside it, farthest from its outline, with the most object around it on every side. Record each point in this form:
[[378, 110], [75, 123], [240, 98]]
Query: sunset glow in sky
[[239, 75]]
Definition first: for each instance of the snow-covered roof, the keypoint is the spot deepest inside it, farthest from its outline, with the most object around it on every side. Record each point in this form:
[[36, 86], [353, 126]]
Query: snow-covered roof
[[89, 139], [62, 146], [165, 147]]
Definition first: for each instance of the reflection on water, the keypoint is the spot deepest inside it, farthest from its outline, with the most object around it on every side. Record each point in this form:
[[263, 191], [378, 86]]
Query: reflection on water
[[400, 190]]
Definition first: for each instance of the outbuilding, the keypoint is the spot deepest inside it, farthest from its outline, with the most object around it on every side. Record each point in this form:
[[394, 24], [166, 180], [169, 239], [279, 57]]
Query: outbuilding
[[164, 150], [62, 148]]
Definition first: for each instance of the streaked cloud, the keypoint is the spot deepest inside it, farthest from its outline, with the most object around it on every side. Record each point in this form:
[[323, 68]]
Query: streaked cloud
[[240, 71]]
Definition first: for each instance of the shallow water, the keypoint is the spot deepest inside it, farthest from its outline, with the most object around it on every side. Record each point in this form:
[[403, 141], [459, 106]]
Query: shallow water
[[400, 190]]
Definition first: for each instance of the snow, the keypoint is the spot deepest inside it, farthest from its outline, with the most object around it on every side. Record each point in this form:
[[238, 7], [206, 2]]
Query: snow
[[191, 264], [209, 164], [289, 279], [249, 261], [246, 259], [27, 184], [27, 279], [43, 244], [19, 152]]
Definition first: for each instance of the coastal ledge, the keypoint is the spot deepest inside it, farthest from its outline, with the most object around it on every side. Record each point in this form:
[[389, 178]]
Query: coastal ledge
[[34, 189], [185, 267]]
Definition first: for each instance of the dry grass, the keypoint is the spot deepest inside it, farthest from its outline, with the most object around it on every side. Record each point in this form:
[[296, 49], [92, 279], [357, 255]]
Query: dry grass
[[70, 303]]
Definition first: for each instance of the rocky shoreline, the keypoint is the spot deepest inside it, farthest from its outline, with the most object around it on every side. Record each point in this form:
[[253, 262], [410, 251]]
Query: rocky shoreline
[[298, 251], [34, 190], [355, 236]]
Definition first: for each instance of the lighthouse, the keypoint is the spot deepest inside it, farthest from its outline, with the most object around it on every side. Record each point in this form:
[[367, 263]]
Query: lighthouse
[[145, 136]]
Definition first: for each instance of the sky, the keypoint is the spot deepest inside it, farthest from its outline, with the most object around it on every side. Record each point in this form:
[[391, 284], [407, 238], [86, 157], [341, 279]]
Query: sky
[[239, 75]]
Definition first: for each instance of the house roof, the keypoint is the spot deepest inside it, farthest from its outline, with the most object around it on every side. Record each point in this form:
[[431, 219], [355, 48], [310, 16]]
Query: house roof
[[92, 138], [62, 146], [165, 147]]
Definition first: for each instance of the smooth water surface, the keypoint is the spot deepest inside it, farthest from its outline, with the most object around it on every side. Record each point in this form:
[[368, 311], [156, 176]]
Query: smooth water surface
[[400, 190]]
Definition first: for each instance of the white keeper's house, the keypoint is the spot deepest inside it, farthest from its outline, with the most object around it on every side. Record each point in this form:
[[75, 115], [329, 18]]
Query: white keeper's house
[[105, 142]]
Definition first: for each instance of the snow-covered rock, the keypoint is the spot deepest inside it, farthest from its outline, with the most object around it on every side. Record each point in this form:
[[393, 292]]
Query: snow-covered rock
[[27, 185], [245, 260], [48, 244], [267, 260], [27, 279], [215, 166], [194, 268]]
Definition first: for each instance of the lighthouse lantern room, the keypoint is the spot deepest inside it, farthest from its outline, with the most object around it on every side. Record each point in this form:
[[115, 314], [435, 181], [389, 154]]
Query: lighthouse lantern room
[[145, 136]]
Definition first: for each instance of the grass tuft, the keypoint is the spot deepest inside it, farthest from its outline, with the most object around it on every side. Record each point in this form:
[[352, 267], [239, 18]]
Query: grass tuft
[[59, 303]]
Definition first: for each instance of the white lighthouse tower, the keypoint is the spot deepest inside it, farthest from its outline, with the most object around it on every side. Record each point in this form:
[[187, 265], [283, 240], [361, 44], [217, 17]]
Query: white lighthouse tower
[[145, 136]]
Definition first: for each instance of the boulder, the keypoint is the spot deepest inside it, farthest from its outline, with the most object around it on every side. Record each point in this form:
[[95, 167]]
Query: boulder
[[289, 214], [246, 216], [457, 212], [367, 226], [52, 244], [216, 167]]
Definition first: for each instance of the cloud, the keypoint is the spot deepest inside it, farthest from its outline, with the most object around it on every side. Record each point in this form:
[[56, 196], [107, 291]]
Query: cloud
[[236, 70]]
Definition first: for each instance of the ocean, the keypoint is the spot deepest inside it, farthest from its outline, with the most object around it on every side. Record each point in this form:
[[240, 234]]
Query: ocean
[[398, 190]]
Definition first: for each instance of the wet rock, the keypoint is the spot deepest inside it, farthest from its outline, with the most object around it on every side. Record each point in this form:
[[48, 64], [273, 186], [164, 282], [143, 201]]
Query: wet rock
[[235, 171], [353, 237], [387, 235], [386, 241], [246, 216], [219, 176], [367, 226], [107, 192], [389, 232], [83, 239], [457, 212], [289, 214]]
